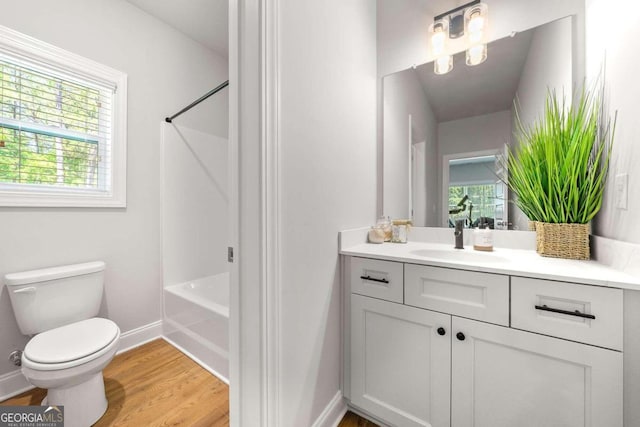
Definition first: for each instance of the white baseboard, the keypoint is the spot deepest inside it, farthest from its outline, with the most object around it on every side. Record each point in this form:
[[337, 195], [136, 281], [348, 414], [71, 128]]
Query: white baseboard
[[139, 336], [333, 413], [12, 384]]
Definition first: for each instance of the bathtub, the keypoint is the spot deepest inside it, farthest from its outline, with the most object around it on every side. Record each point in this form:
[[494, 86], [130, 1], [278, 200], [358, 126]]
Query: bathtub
[[196, 320]]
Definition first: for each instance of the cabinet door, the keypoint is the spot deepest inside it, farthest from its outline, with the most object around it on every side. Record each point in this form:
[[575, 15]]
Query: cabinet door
[[400, 364], [503, 377]]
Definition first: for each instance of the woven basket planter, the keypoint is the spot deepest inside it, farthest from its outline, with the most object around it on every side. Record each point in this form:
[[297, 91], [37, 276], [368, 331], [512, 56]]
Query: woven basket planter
[[569, 241]]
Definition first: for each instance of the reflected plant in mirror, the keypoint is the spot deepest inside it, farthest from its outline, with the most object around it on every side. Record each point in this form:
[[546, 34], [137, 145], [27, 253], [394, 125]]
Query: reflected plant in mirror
[[444, 135]]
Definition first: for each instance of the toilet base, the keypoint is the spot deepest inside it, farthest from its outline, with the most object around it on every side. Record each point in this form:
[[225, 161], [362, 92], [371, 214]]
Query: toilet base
[[83, 403]]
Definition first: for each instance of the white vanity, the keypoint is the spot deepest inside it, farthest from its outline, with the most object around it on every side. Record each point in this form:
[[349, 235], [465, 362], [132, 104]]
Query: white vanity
[[439, 337]]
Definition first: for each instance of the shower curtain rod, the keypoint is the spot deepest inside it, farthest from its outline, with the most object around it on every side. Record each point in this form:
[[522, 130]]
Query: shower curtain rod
[[197, 101]]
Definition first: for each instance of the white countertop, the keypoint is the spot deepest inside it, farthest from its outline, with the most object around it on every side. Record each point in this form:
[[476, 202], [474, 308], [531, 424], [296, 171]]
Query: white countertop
[[514, 262]]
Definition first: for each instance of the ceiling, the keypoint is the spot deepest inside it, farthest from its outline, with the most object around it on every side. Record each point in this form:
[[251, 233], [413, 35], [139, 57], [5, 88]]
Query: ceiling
[[486, 88], [205, 21]]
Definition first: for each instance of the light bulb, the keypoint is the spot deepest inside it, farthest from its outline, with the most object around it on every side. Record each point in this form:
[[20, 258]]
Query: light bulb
[[476, 54], [476, 27], [438, 43], [476, 23], [439, 32], [443, 65]]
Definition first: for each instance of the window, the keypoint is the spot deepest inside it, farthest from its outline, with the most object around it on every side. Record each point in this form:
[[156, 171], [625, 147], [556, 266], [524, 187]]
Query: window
[[481, 202], [62, 127]]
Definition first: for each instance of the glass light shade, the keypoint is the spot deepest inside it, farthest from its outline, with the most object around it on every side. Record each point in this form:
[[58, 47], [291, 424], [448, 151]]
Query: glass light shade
[[476, 24], [443, 65], [439, 34], [476, 54]]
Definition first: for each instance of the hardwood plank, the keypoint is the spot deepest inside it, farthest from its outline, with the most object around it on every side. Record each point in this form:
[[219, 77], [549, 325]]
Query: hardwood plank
[[155, 385], [353, 420]]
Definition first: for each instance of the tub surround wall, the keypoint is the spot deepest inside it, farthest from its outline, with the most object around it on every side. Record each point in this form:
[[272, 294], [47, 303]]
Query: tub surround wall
[[128, 240], [195, 204]]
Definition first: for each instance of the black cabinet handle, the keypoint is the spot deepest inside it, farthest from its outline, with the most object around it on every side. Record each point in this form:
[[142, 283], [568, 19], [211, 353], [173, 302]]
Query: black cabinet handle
[[460, 336], [441, 331], [373, 279], [576, 313]]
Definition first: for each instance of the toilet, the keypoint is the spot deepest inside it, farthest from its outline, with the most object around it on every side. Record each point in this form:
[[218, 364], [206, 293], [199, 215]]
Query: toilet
[[69, 347]]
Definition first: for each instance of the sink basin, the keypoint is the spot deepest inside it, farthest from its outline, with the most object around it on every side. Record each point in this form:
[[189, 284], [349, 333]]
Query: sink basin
[[458, 255]]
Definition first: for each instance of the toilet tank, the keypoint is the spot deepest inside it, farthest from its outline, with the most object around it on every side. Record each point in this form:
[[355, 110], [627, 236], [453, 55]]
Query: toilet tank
[[51, 297]]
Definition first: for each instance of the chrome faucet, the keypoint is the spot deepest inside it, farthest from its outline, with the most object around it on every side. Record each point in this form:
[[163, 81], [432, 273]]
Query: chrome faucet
[[459, 234]]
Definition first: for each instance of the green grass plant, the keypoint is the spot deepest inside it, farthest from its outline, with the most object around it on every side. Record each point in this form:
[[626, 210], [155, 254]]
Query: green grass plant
[[558, 169]]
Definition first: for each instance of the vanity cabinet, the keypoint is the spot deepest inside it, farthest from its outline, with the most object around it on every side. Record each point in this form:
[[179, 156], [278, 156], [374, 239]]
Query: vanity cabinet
[[502, 377], [400, 362], [465, 348]]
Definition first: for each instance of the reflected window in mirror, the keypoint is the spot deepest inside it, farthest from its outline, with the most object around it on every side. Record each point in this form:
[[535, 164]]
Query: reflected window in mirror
[[475, 193]]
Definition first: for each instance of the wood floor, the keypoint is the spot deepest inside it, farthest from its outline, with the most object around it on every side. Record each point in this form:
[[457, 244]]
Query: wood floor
[[353, 420], [157, 385]]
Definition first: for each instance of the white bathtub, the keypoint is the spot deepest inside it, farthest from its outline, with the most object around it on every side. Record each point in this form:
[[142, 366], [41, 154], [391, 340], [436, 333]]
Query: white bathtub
[[196, 320]]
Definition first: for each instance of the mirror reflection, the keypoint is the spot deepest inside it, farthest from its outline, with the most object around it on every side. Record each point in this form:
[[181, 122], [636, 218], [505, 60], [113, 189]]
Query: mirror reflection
[[474, 193], [444, 134]]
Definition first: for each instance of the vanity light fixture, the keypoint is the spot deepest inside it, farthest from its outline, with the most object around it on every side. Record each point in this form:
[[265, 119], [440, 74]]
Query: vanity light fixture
[[470, 19]]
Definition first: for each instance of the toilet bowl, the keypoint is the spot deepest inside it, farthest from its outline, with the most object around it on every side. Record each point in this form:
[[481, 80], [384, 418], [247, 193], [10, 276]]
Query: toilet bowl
[[69, 347], [68, 361]]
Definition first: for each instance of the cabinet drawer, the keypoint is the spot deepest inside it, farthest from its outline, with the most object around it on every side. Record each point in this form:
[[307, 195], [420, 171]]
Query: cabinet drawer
[[588, 314], [481, 296], [377, 279]]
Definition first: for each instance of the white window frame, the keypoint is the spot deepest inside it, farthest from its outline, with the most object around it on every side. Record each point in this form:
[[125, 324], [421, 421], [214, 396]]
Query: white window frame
[[60, 60]]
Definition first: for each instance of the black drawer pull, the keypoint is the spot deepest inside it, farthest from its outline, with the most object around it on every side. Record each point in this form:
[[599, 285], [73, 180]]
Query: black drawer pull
[[373, 279], [570, 313]]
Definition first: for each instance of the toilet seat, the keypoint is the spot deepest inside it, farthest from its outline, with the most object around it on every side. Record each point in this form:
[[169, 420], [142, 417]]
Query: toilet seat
[[71, 345]]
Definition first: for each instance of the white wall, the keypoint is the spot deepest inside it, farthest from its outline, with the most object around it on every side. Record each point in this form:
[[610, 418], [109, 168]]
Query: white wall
[[404, 97], [548, 67], [621, 42], [166, 71], [486, 132], [195, 204], [327, 155]]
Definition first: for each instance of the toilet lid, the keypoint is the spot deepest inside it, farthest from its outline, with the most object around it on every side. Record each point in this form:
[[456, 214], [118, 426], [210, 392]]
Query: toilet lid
[[71, 342]]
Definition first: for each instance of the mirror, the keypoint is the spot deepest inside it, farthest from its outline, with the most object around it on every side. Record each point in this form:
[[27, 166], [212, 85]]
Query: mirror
[[443, 134]]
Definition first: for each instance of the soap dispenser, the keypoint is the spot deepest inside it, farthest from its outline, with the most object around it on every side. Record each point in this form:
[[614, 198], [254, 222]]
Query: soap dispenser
[[483, 238]]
